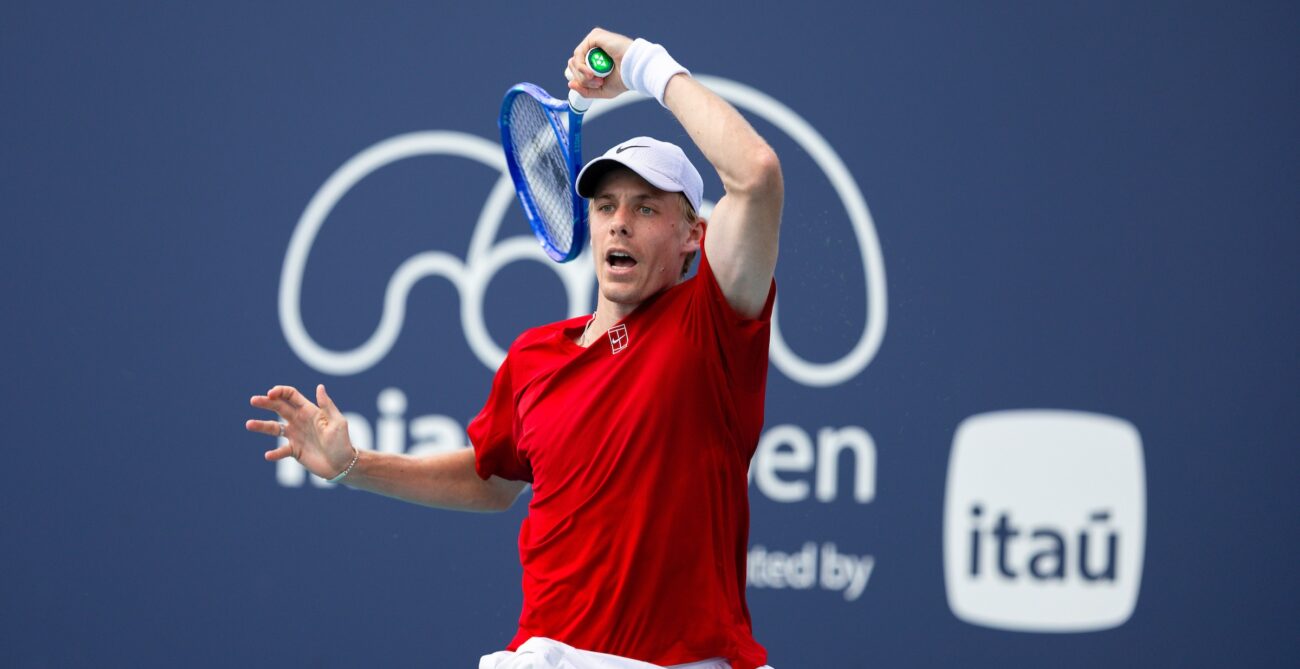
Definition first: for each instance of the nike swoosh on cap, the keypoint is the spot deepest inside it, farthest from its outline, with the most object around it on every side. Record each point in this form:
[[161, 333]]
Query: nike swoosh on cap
[[621, 149]]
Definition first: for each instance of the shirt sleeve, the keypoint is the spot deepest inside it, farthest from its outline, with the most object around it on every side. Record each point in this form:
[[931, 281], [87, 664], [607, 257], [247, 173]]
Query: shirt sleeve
[[492, 432], [741, 343]]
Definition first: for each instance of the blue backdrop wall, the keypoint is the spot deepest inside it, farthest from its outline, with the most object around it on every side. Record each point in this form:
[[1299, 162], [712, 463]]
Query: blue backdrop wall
[[1089, 210]]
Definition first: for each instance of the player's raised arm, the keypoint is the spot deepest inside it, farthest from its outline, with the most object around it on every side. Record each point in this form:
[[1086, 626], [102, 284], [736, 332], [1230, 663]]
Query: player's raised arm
[[317, 436], [743, 230]]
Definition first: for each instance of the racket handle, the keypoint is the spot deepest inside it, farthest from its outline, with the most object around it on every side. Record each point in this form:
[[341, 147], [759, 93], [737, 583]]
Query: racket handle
[[601, 64], [576, 101]]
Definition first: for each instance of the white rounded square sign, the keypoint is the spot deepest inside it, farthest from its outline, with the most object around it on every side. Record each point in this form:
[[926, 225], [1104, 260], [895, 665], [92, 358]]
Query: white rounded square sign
[[1044, 521]]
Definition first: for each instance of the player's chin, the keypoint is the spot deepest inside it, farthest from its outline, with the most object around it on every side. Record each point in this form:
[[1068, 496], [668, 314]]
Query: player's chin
[[620, 276], [622, 291]]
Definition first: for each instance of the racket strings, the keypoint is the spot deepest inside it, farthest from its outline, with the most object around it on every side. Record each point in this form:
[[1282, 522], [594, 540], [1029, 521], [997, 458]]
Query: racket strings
[[541, 156]]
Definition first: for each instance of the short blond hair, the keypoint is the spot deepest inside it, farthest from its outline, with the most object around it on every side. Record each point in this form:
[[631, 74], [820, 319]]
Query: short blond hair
[[691, 217]]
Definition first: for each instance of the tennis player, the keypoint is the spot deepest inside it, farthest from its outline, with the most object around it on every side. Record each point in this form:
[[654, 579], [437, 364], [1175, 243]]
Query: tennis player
[[635, 425]]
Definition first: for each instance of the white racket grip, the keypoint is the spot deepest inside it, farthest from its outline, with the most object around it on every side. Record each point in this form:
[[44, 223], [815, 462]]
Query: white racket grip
[[576, 101]]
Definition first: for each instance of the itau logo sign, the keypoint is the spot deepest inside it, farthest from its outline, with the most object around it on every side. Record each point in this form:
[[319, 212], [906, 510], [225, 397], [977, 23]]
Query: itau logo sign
[[1044, 521]]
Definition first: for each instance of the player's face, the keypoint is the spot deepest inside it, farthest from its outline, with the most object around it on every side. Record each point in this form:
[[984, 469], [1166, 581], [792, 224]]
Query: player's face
[[639, 237]]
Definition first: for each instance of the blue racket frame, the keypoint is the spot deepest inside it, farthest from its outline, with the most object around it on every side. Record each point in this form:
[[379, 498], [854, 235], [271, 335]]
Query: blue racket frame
[[571, 144]]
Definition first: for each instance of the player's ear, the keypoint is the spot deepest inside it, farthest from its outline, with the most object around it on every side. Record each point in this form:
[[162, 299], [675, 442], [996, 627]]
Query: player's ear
[[695, 235]]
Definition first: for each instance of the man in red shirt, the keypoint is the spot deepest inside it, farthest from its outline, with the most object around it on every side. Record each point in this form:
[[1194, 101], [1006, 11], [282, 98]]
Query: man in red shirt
[[635, 426]]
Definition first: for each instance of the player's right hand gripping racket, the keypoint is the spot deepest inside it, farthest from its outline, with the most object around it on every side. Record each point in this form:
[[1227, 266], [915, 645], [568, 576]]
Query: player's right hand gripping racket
[[542, 138]]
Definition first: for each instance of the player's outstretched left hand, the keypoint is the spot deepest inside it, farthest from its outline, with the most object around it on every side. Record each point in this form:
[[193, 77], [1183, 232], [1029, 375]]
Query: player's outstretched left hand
[[318, 435]]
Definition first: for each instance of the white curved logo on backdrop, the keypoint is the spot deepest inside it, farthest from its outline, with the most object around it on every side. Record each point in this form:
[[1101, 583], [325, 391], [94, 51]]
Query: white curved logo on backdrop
[[484, 257]]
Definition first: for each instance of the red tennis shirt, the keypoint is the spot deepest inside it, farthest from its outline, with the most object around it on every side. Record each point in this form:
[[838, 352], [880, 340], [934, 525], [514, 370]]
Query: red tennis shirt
[[637, 449]]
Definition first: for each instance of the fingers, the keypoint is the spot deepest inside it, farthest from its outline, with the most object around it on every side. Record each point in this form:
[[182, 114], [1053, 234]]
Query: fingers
[[285, 401], [582, 73], [584, 79], [324, 401], [277, 454], [280, 408], [268, 427], [612, 44], [272, 428], [577, 60], [590, 87], [582, 76], [289, 395]]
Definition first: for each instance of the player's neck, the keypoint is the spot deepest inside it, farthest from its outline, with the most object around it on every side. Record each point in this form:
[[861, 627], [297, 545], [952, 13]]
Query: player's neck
[[607, 315], [610, 313]]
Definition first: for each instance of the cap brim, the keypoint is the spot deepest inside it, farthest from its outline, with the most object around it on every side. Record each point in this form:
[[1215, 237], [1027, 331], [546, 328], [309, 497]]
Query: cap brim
[[591, 174]]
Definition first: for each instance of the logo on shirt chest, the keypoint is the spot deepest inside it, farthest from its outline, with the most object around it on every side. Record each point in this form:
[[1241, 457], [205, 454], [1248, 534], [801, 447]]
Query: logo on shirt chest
[[617, 338]]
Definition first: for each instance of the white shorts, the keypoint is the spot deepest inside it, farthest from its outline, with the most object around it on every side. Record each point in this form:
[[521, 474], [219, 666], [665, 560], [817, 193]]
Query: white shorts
[[542, 653]]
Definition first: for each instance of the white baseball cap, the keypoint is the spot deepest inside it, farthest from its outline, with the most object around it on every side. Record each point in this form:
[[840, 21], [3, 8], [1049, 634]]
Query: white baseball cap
[[662, 164]]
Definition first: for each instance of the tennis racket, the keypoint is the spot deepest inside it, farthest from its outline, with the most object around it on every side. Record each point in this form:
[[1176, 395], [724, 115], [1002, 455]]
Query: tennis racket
[[542, 139]]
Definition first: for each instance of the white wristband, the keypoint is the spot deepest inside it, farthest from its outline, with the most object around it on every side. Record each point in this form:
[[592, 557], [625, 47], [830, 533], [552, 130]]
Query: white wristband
[[647, 67]]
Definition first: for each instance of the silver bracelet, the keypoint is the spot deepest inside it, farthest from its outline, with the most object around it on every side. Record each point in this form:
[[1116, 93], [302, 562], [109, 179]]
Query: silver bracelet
[[355, 456]]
